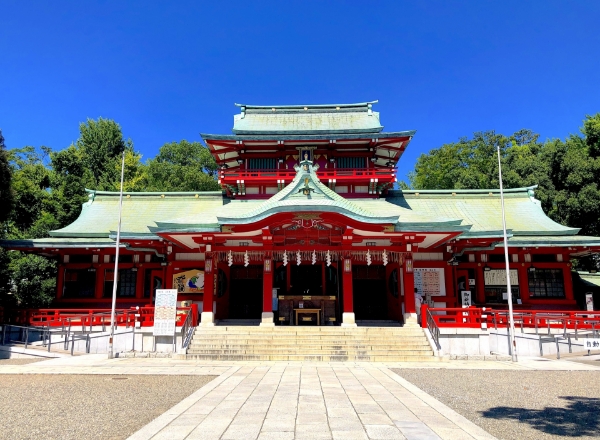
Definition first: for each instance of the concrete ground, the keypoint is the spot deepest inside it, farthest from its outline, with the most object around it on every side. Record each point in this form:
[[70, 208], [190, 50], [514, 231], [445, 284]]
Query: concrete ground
[[285, 400]]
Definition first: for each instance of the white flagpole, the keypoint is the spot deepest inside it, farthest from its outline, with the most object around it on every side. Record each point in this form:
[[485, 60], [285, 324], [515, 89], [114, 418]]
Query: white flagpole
[[511, 321], [116, 271]]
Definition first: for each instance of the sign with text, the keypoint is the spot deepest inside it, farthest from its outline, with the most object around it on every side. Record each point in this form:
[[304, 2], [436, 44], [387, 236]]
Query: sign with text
[[165, 312], [466, 298], [497, 277], [430, 281], [591, 344]]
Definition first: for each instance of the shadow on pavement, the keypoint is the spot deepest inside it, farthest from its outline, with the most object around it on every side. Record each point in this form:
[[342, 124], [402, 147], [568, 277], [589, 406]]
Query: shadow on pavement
[[577, 419]]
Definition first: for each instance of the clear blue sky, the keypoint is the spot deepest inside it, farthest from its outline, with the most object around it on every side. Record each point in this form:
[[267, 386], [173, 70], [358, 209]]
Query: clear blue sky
[[167, 71]]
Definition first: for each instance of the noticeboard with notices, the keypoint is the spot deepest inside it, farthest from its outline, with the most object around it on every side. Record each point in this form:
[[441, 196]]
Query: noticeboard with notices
[[165, 312], [430, 281]]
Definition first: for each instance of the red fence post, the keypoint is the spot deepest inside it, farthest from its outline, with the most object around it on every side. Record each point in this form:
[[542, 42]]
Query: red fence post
[[194, 312], [424, 308]]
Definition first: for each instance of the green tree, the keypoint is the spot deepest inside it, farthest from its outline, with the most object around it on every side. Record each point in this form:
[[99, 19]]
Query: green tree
[[182, 166], [94, 162], [100, 145], [6, 193], [33, 280], [566, 172], [33, 213]]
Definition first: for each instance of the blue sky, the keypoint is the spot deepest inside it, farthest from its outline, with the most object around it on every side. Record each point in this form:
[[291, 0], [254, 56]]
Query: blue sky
[[167, 71]]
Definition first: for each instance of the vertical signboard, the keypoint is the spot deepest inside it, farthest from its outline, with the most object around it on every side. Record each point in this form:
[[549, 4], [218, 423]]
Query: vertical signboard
[[589, 302], [165, 312], [466, 298]]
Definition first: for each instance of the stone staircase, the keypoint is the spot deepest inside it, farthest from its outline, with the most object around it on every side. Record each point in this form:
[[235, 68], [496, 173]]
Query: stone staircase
[[374, 344]]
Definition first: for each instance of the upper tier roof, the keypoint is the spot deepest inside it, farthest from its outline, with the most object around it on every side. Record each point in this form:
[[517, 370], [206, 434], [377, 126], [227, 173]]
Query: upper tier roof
[[307, 119]]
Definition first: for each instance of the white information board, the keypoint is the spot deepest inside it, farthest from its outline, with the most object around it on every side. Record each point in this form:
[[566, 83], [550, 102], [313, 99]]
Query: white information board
[[430, 281], [591, 344], [165, 312]]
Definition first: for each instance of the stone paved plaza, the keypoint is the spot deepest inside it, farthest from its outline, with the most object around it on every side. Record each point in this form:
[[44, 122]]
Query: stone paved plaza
[[285, 400]]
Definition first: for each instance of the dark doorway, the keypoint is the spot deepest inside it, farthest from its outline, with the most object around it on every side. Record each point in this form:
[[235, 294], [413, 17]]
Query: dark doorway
[[368, 285], [306, 280], [245, 292]]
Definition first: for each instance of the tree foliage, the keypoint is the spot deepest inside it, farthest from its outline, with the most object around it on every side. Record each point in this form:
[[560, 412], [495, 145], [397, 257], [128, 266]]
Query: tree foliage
[[42, 190], [567, 172], [33, 280], [6, 193], [182, 166]]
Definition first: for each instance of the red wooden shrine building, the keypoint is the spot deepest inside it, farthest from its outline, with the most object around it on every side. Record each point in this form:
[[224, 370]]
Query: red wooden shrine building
[[308, 229]]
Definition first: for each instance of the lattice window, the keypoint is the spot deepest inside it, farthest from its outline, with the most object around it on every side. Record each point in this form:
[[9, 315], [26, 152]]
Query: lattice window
[[351, 162], [262, 164], [547, 283], [126, 283], [79, 283]]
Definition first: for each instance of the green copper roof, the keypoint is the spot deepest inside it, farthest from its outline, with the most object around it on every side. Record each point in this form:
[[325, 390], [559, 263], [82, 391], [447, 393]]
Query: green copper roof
[[99, 216], [482, 210], [315, 136], [61, 242], [307, 119], [553, 240], [474, 213]]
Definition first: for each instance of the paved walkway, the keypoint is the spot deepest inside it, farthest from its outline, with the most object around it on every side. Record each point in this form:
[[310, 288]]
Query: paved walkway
[[285, 400]]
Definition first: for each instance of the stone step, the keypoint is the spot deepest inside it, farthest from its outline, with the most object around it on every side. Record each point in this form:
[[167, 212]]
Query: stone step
[[315, 358], [313, 334], [307, 328], [380, 346], [310, 343], [279, 344], [327, 352], [375, 323], [357, 331]]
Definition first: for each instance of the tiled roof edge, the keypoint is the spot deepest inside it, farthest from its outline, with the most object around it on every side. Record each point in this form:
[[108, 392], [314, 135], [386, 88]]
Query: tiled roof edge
[[401, 192]]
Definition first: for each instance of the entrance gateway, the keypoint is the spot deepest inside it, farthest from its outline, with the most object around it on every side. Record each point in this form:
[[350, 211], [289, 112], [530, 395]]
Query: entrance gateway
[[308, 230]]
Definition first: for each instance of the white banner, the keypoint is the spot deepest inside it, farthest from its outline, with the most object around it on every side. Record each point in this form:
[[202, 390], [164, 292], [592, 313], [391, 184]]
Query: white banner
[[165, 312]]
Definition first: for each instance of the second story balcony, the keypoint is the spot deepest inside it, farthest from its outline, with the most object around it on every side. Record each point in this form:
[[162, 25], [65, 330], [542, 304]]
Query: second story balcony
[[358, 175]]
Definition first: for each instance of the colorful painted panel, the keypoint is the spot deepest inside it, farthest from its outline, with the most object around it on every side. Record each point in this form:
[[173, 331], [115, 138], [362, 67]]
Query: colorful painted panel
[[190, 281]]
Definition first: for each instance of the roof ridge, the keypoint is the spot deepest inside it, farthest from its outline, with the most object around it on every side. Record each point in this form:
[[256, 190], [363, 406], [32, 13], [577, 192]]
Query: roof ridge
[[154, 193], [462, 191], [305, 106]]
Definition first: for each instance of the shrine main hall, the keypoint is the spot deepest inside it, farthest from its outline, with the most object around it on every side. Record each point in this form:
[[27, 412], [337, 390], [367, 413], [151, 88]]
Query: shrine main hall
[[309, 230]]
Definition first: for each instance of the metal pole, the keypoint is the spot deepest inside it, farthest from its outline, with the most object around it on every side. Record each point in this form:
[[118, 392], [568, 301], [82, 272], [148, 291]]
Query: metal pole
[[114, 292], [511, 319]]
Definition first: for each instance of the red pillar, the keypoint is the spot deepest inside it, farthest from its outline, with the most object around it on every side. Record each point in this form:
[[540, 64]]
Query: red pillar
[[209, 287], [568, 282], [348, 317], [268, 286], [267, 314], [409, 291], [60, 280]]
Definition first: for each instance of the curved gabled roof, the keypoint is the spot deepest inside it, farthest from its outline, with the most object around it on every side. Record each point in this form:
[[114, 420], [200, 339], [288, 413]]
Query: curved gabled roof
[[307, 119]]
